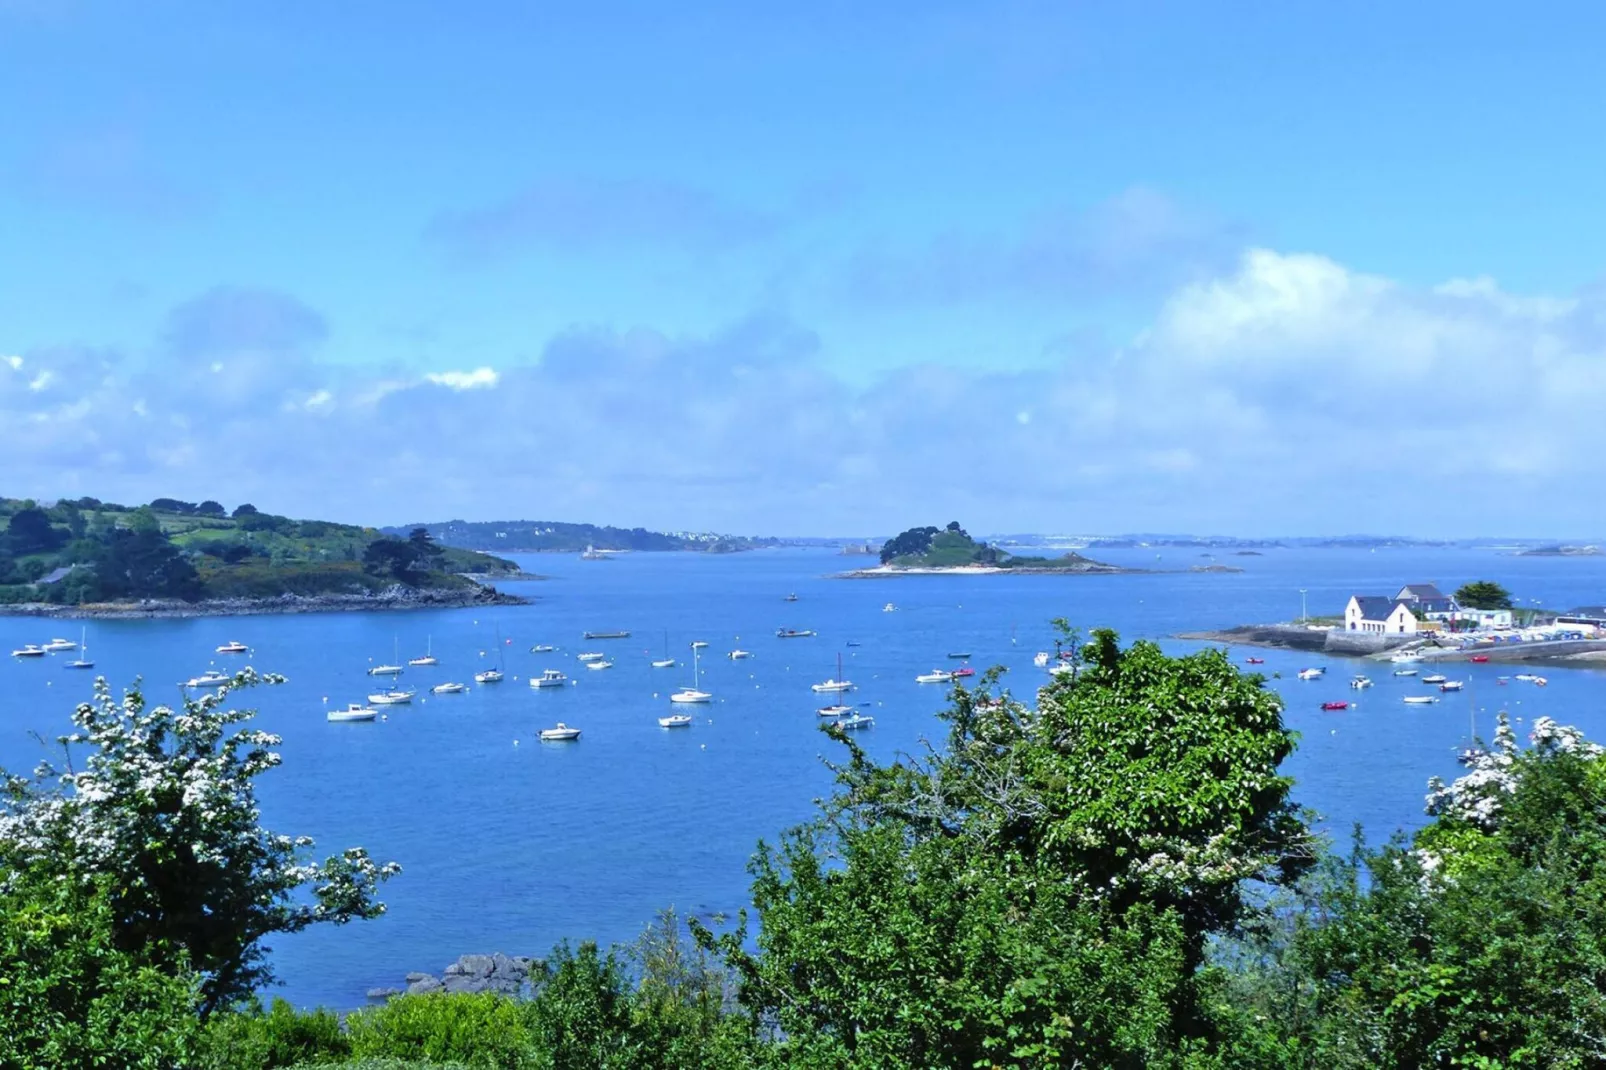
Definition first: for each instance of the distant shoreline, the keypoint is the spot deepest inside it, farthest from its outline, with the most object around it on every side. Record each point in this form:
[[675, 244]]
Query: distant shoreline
[[1575, 653], [393, 600], [881, 572]]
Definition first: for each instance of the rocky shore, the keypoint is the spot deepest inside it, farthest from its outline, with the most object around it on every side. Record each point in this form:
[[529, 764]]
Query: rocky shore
[[397, 597], [1080, 568], [1580, 653], [506, 975]]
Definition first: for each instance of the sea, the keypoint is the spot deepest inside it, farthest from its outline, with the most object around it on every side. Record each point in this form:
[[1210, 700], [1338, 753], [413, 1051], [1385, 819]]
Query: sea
[[509, 844]]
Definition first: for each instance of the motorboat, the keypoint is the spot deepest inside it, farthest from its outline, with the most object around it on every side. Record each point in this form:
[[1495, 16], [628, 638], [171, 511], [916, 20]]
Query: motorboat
[[448, 689], [542, 648], [391, 698], [793, 633], [790, 598], [959, 655], [1420, 700], [1254, 661], [689, 695], [1040, 659], [56, 646], [561, 734], [1540, 681], [664, 663], [606, 635], [675, 720], [834, 711], [354, 711], [935, 676], [738, 655], [1479, 659], [549, 678], [699, 645], [233, 646], [1361, 682], [889, 608], [1470, 754], [489, 676], [599, 664], [1062, 669], [29, 651], [1405, 672], [209, 678], [1330, 706], [855, 720], [1311, 674], [385, 670], [1452, 685], [1407, 658], [851, 642], [591, 655], [1525, 677], [1434, 678], [966, 671]]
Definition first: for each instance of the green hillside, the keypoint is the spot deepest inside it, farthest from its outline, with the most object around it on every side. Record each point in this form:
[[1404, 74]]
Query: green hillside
[[952, 547], [85, 550], [547, 536]]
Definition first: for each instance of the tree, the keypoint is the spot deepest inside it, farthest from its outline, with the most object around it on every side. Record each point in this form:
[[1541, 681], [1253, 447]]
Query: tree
[[74, 519], [244, 509], [913, 541], [210, 508], [1040, 891], [172, 505], [142, 563], [1483, 594], [29, 531], [163, 810]]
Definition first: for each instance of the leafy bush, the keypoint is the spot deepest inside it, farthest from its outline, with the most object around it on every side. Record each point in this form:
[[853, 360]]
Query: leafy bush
[[381, 1064], [250, 1039], [480, 1029]]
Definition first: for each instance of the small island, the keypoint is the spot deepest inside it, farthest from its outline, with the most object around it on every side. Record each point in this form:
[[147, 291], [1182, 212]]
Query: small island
[[951, 551], [171, 558]]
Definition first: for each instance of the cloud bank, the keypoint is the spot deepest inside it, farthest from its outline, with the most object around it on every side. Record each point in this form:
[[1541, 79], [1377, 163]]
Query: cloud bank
[[1284, 393]]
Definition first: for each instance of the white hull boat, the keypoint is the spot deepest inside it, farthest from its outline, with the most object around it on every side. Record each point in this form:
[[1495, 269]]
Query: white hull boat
[[1404, 672], [448, 689], [699, 645], [542, 648], [427, 659], [889, 608], [391, 698], [1040, 659], [599, 664], [937, 676], [489, 676], [664, 663], [1361, 682], [1434, 679], [1311, 674], [385, 670], [355, 711], [208, 679], [675, 720], [834, 711], [233, 646], [1420, 700], [56, 646], [1407, 658], [1452, 685], [591, 656], [857, 720], [688, 696], [738, 655], [833, 686], [29, 651], [561, 734], [549, 678]]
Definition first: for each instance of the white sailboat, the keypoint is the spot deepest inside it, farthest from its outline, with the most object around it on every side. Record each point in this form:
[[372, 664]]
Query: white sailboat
[[492, 676], [836, 684], [665, 662], [393, 669], [429, 657], [391, 698], [82, 661], [837, 710], [688, 695]]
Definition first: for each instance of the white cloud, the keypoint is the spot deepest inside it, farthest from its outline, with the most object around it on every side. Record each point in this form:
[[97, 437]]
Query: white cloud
[[478, 379], [14, 361]]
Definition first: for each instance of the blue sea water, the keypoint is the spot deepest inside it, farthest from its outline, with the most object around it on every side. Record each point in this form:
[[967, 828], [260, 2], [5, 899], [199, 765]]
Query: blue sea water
[[509, 844]]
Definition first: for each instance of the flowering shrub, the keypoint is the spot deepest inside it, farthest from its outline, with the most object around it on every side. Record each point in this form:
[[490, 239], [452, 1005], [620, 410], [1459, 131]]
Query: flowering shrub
[[162, 809]]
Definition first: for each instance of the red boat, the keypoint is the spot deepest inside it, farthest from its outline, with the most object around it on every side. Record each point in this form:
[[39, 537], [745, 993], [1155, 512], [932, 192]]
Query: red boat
[[1335, 705], [1479, 658], [966, 671], [1254, 661]]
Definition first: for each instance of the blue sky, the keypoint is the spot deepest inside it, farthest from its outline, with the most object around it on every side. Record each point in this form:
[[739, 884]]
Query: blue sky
[[1061, 267]]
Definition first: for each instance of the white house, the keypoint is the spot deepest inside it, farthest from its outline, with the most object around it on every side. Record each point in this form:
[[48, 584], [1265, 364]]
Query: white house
[[1482, 618], [1428, 601], [1381, 616]]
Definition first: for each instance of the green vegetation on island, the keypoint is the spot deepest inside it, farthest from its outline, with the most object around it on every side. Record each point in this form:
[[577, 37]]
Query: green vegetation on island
[[1116, 875], [85, 551], [952, 547], [551, 536], [1483, 594]]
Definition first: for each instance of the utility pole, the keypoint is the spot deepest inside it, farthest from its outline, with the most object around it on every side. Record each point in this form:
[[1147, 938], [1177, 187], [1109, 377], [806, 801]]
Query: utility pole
[[1303, 616]]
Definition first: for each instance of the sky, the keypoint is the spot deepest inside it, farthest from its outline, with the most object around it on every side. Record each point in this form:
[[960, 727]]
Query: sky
[[835, 268]]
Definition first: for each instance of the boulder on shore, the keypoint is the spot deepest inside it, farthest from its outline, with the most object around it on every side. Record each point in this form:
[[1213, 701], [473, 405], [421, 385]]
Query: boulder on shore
[[504, 974]]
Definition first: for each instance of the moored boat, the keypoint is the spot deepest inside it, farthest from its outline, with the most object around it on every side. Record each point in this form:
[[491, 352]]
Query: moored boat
[[1452, 685], [542, 648], [1311, 674], [209, 678], [1405, 672], [1433, 678], [56, 646], [606, 635], [855, 720], [561, 734], [448, 689], [1254, 661], [354, 711], [1335, 706], [489, 676], [691, 695], [1479, 659], [233, 646], [591, 655], [29, 651], [935, 676], [548, 678], [966, 671], [1361, 682], [1420, 700], [599, 664], [793, 633], [834, 711], [675, 720], [390, 698], [738, 654]]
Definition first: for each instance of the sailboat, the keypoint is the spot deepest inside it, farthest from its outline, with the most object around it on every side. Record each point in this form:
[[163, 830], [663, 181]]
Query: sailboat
[[429, 657], [836, 683], [82, 661], [692, 694], [393, 669], [665, 662], [492, 676]]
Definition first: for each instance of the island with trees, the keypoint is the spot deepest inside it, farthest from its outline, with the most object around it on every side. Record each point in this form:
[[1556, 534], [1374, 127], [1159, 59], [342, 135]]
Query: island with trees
[[950, 549], [86, 557]]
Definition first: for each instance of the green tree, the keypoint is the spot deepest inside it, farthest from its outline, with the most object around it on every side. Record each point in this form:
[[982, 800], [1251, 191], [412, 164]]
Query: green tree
[[162, 809], [140, 562], [70, 997], [29, 531], [1041, 890], [244, 509], [1483, 594]]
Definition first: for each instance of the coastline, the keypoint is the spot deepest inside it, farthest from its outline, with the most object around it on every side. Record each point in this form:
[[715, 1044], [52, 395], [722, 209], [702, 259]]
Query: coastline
[[880, 572], [392, 599], [1574, 653]]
